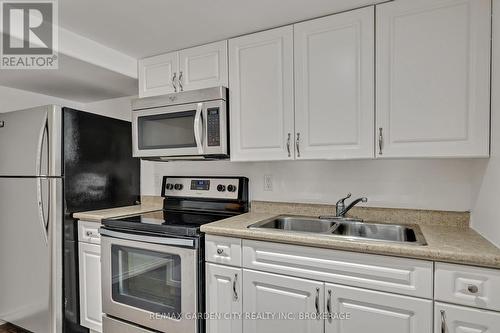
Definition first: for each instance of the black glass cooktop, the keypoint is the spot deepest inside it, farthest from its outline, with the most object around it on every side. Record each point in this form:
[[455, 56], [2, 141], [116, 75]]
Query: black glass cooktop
[[165, 222]]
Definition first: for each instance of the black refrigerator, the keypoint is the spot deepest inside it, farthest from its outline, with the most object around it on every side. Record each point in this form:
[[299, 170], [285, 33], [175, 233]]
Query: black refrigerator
[[55, 161]]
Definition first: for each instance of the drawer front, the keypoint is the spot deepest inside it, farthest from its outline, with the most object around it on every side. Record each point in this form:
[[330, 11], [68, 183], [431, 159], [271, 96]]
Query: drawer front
[[223, 250], [459, 319], [111, 325], [467, 285], [88, 232], [390, 274]]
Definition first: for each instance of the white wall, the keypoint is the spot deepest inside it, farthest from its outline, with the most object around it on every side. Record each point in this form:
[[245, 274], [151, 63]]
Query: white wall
[[116, 108], [426, 184], [14, 99], [485, 215]]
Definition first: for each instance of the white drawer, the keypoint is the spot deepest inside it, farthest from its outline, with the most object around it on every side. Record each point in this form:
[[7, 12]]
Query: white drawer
[[395, 275], [467, 285], [223, 250], [88, 232]]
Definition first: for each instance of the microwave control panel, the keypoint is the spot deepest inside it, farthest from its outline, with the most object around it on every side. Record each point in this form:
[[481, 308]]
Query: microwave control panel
[[213, 127]]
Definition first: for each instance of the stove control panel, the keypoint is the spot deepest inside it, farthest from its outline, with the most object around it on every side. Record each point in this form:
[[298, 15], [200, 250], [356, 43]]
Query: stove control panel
[[202, 187]]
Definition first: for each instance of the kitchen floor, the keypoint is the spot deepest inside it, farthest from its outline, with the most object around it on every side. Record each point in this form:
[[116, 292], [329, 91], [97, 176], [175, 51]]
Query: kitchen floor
[[8, 328]]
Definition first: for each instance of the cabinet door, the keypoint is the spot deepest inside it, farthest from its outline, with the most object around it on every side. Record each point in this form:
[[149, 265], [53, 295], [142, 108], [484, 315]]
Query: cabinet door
[[90, 286], [261, 96], [277, 294], [203, 66], [156, 74], [459, 319], [223, 296], [433, 78], [334, 86], [374, 311]]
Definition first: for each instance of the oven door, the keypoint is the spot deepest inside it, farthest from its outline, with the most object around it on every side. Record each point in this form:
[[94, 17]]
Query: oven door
[[196, 129], [150, 281]]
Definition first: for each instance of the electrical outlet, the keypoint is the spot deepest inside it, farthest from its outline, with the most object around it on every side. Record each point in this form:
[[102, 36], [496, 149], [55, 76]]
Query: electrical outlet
[[268, 183]]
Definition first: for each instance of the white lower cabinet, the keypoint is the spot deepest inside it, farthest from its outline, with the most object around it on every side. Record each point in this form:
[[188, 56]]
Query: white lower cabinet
[[355, 310], [89, 256], [459, 319], [223, 298], [266, 293], [282, 288]]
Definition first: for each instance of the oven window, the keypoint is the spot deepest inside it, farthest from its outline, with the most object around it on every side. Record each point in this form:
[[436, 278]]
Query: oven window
[[147, 280], [164, 131]]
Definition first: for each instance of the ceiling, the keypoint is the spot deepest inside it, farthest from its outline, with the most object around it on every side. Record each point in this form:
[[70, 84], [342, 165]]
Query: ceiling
[[149, 27]]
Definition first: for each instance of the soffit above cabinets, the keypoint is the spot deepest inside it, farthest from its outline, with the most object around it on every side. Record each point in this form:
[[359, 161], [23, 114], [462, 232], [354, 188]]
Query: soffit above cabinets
[[146, 28], [75, 80], [87, 72]]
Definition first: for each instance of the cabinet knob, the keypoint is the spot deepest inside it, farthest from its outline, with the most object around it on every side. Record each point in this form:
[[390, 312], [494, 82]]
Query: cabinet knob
[[220, 251], [472, 288]]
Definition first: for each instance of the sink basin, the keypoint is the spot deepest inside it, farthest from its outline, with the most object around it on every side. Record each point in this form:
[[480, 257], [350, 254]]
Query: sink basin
[[345, 229], [298, 224]]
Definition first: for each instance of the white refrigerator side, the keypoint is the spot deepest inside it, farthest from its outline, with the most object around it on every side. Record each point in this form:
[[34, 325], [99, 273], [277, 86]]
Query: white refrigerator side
[[30, 142], [30, 253]]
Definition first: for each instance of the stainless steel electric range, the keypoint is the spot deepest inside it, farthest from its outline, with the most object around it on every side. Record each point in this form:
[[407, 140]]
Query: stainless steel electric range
[[153, 264]]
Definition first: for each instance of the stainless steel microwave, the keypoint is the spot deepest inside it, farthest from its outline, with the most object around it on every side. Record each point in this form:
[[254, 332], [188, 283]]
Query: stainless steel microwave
[[186, 125]]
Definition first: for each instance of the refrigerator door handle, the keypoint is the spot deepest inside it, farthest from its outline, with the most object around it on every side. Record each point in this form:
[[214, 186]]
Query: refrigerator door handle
[[44, 223], [43, 131]]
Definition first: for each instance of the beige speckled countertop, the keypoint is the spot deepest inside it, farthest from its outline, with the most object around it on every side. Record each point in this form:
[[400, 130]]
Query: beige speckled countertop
[[148, 204], [447, 241]]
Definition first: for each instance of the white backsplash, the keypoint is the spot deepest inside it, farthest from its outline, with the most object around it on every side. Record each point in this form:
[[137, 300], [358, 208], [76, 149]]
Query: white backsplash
[[424, 184]]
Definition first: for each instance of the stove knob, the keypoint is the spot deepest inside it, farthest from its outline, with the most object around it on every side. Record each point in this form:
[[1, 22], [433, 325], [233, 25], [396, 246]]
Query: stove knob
[[231, 188], [221, 188], [170, 186], [178, 187]]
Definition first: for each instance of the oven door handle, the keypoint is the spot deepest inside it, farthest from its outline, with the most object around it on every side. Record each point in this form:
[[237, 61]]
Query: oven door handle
[[198, 128], [147, 239]]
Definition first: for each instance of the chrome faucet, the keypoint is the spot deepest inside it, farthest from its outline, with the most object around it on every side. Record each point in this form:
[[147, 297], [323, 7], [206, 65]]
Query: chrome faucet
[[342, 209]]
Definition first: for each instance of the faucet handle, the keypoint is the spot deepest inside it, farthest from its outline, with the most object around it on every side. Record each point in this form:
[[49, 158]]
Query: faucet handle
[[341, 201]]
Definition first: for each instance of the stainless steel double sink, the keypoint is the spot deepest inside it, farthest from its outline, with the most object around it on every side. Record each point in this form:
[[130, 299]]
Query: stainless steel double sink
[[345, 228]]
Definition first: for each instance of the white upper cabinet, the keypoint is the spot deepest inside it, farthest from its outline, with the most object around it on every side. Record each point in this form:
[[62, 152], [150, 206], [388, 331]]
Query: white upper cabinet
[[261, 96], [433, 78], [158, 74], [195, 68], [203, 66], [334, 86]]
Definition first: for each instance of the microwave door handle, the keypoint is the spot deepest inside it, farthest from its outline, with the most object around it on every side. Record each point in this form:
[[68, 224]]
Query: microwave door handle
[[198, 128]]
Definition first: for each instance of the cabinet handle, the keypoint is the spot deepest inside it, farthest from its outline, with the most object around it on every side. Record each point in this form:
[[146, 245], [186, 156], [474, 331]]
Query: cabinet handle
[[180, 81], [173, 82], [288, 144], [443, 321], [472, 288], [329, 302], [235, 293], [316, 302], [220, 251], [380, 140], [90, 234], [297, 143]]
